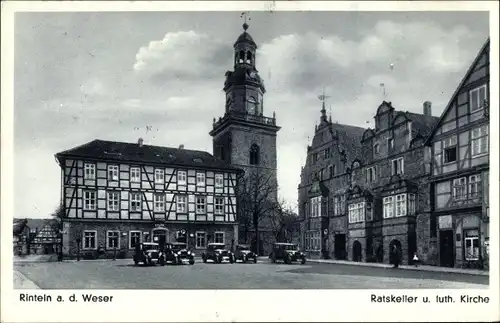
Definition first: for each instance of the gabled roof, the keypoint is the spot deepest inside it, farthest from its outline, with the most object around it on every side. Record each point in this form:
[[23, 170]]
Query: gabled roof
[[422, 123], [129, 153], [350, 138], [19, 226], [461, 84]]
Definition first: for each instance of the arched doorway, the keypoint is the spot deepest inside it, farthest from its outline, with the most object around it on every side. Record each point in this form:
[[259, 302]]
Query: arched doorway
[[356, 251], [160, 236], [395, 244]]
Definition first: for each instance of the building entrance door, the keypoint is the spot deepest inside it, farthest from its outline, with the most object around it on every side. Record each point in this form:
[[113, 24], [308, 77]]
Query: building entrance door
[[339, 246], [446, 248], [160, 237], [357, 251]]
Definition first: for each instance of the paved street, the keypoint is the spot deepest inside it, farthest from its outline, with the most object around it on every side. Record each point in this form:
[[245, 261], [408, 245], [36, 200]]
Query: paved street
[[122, 274]]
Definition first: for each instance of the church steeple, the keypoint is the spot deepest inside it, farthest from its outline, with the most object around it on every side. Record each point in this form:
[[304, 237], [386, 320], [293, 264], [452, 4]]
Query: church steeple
[[244, 50], [243, 86]]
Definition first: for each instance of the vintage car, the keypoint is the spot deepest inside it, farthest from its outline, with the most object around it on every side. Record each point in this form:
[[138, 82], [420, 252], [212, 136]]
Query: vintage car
[[217, 252], [176, 253], [149, 254], [287, 252], [242, 252]]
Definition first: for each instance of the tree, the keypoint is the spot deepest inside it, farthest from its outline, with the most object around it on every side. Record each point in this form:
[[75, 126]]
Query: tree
[[256, 190], [58, 214], [56, 226], [284, 222]]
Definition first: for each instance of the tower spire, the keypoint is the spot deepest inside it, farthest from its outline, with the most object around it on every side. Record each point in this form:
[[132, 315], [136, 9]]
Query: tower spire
[[323, 98]]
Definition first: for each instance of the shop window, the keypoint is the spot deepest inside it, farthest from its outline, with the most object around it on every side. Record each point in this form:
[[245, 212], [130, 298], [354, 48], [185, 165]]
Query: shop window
[[313, 240], [90, 239], [219, 237], [113, 239], [471, 245], [135, 238]]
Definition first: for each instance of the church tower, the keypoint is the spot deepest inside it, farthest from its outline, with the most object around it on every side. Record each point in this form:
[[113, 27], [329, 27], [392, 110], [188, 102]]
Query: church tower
[[244, 136]]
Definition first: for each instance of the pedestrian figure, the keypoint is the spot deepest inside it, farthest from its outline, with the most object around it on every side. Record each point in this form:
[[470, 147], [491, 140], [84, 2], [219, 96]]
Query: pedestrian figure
[[396, 257], [415, 259]]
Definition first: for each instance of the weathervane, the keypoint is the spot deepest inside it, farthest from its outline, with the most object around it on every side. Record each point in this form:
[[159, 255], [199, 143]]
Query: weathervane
[[323, 97], [246, 16]]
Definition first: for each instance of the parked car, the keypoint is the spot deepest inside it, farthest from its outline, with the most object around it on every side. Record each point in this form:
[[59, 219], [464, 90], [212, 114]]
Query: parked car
[[217, 252], [149, 254], [177, 253], [287, 252], [242, 252]]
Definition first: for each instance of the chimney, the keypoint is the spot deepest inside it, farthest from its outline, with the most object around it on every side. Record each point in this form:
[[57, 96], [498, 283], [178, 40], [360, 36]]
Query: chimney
[[427, 108], [181, 146], [140, 142]]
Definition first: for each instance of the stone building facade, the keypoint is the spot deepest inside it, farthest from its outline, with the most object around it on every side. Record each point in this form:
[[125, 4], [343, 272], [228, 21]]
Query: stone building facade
[[460, 172], [364, 191], [245, 138], [115, 195]]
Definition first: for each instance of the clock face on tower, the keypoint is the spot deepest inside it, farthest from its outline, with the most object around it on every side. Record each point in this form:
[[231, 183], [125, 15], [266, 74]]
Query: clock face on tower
[[251, 105]]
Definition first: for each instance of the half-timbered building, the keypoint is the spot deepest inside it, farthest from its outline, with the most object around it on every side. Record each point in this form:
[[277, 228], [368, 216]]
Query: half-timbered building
[[460, 171], [362, 190], [118, 194]]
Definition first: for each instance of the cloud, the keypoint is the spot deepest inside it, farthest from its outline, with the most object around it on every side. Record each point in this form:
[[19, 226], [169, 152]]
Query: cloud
[[92, 87], [185, 55], [311, 61]]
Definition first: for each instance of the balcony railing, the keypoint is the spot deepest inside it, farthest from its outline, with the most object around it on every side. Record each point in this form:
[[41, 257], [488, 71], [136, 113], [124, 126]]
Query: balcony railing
[[246, 117]]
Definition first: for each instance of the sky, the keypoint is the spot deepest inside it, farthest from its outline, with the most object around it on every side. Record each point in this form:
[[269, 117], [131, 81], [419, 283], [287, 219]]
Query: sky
[[159, 75]]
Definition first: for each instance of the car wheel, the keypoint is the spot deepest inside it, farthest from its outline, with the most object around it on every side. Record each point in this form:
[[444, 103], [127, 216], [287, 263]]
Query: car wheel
[[244, 259], [162, 261], [303, 260], [288, 260], [204, 258], [231, 259], [255, 260], [191, 261], [219, 260]]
